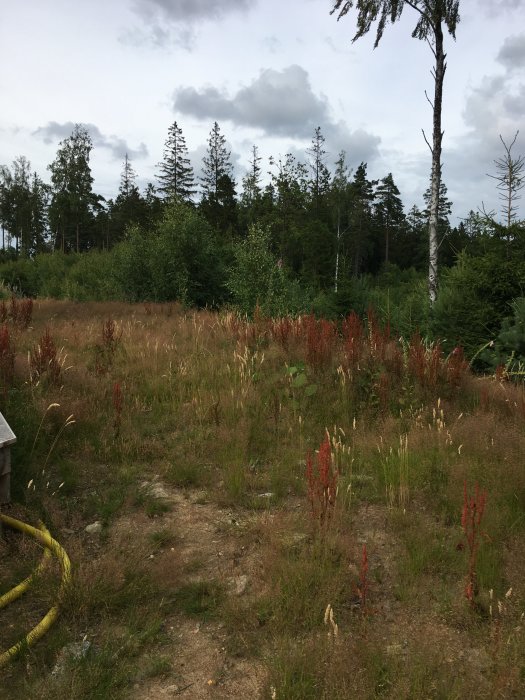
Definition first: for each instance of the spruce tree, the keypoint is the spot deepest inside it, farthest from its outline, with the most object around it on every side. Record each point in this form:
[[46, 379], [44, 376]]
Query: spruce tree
[[128, 208], [290, 193], [361, 219], [251, 182], [216, 163], [389, 211], [320, 181], [176, 178], [218, 202], [252, 195]]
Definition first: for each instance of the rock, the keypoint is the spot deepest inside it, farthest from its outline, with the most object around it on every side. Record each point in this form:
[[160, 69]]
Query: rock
[[71, 652], [94, 529], [155, 489], [238, 584]]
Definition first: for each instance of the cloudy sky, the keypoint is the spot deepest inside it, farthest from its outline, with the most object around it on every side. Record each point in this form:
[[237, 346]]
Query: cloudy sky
[[270, 72]]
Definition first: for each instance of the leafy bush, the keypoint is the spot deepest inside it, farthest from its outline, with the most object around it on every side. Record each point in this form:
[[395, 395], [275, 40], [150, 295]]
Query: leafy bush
[[508, 349], [257, 277], [475, 295]]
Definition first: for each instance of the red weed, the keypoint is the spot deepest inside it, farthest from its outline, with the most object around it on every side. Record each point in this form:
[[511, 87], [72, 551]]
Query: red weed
[[322, 483], [43, 359], [471, 515]]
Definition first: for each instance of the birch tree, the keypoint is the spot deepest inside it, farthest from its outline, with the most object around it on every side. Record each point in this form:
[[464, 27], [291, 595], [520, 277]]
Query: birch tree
[[434, 17]]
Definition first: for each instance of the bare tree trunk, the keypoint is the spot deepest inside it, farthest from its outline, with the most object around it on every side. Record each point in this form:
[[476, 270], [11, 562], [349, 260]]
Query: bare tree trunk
[[437, 136], [337, 253]]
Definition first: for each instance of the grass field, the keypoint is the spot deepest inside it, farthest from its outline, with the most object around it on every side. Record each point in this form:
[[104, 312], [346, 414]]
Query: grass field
[[288, 509]]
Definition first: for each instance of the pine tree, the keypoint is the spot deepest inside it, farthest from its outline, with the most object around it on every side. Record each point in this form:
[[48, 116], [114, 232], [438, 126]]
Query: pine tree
[[389, 211], [176, 178], [361, 220]]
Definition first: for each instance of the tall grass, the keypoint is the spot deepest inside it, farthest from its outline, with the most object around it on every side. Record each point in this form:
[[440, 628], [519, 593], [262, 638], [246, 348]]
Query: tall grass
[[267, 427]]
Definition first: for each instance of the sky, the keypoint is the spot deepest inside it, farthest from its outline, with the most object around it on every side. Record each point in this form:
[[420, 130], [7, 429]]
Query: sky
[[269, 72]]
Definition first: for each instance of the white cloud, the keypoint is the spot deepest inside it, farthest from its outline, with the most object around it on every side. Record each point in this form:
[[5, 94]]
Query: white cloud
[[118, 147]]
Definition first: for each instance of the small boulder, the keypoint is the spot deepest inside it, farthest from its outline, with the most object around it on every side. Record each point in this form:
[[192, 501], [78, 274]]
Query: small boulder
[[94, 528]]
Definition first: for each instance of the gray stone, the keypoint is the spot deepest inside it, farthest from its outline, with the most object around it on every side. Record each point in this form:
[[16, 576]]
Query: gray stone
[[71, 652], [238, 584], [94, 528], [155, 489]]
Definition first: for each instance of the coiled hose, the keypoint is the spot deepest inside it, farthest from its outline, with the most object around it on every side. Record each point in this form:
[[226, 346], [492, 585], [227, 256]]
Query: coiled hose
[[51, 546]]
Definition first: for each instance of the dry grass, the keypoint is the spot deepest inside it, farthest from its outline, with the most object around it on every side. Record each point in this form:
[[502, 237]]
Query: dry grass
[[203, 488]]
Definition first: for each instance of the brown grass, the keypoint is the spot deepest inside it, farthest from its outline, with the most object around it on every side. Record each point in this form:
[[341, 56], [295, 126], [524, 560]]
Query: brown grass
[[208, 412]]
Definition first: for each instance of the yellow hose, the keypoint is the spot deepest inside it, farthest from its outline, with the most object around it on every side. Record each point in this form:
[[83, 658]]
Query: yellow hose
[[45, 623], [22, 587]]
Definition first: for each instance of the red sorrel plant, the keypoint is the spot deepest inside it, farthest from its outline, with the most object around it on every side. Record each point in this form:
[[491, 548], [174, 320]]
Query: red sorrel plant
[[320, 341], [43, 359], [7, 360], [105, 351], [110, 337], [281, 329], [424, 363], [20, 312], [13, 309], [471, 515], [118, 402], [25, 313], [322, 483], [457, 367]]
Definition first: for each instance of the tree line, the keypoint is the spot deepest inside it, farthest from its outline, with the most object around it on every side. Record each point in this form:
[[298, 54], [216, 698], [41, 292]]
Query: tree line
[[325, 223]]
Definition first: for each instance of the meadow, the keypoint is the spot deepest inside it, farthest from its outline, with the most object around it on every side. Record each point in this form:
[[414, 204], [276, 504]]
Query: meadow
[[292, 509]]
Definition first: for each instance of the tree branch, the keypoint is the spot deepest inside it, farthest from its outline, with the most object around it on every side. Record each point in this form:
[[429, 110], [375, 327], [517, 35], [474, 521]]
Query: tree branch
[[431, 47], [429, 100], [415, 7], [426, 141]]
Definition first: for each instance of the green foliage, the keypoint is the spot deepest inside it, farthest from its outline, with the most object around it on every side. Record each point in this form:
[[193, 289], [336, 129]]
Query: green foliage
[[71, 211], [91, 278], [186, 259], [508, 349], [400, 298], [475, 295], [257, 277], [181, 260]]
